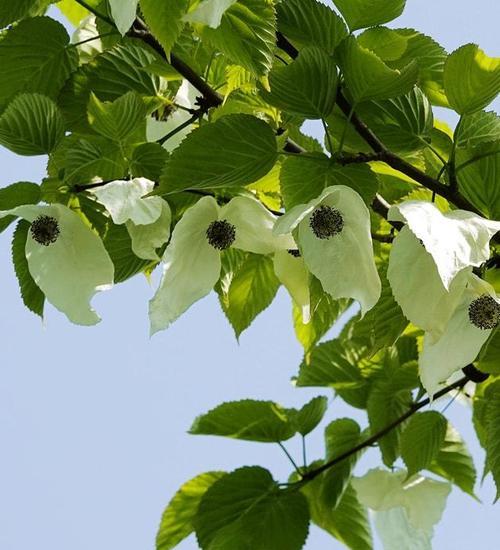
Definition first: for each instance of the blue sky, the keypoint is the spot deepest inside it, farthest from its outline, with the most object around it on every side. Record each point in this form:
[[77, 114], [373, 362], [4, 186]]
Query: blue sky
[[93, 421]]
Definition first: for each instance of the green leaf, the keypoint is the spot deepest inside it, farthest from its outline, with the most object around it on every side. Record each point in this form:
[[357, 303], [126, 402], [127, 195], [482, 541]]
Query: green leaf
[[310, 415], [360, 14], [119, 246], [235, 150], [17, 194], [123, 12], [399, 47], [341, 436], [368, 77], [31, 125], [246, 510], [488, 360], [253, 288], [454, 462], [109, 76], [73, 12], [339, 365], [14, 10], [311, 23], [32, 296], [348, 522], [492, 416], [177, 520], [478, 128], [119, 119], [165, 20], [248, 419], [35, 58], [246, 35], [471, 79], [306, 87], [148, 160], [422, 440]]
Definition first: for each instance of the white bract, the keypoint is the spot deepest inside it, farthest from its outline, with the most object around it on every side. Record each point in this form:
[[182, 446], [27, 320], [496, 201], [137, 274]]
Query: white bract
[[468, 329], [192, 261], [66, 259], [147, 218], [405, 511], [333, 233], [432, 258], [209, 12]]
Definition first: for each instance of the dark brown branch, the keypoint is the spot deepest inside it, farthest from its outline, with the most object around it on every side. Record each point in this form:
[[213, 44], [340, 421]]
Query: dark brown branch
[[309, 476]]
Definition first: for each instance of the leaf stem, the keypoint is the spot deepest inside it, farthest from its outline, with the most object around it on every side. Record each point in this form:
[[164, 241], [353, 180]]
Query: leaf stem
[[95, 12], [290, 458], [97, 37], [181, 127]]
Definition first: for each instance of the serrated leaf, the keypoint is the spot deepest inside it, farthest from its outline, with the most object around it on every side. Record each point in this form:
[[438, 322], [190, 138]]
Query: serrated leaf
[[360, 14], [31, 125], [471, 79], [422, 440], [253, 288], [306, 87], [324, 27], [31, 294], [17, 194], [235, 150], [368, 78], [14, 10], [123, 12], [119, 246], [35, 58], [251, 420], [177, 520], [165, 20], [246, 509], [492, 417], [310, 415], [340, 436], [119, 119], [454, 462], [148, 160], [478, 128], [246, 35]]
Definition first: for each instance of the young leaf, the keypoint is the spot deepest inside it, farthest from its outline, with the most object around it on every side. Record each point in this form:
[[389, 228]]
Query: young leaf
[[471, 79], [324, 27], [368, 77], [250, 420], [31, 125], [32, 296], [360, 14], [177, 520], [123, 12], [247, 507], [246, 35], [48, 64], [17, 194], [341, 436], [235, 150], [310, 415], [165, 20], [422, 440], [306, 87]]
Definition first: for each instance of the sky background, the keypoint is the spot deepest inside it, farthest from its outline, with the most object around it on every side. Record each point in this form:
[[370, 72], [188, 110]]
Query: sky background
[[93, 421]]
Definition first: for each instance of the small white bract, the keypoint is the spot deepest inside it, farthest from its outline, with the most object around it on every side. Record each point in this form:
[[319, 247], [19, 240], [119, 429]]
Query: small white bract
[[333, 232], [192, 261], [66, 259]]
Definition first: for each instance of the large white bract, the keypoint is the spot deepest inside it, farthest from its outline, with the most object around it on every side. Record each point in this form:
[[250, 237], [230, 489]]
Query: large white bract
[[72, 266], [344, 262]]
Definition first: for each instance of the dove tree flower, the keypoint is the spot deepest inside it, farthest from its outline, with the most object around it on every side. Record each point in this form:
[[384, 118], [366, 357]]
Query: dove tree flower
[[471, 324], [432, 258], [147, 219], [66, 259], [405, 510], [192, 262], [333, 234]]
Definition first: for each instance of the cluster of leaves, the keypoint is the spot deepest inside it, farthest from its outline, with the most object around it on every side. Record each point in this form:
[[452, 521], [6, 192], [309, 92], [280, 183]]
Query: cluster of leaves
[[208, 97]]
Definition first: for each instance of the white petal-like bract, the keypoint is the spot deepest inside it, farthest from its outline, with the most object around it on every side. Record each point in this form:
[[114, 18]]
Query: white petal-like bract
[[293, 274], [147, 238]]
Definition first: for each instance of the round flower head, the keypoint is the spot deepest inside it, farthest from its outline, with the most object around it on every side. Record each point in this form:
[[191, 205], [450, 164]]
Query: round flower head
[[66, 259], [477, 314], [192, 260], [432, 258], [405, 510], [147, 219], [333, 232]]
